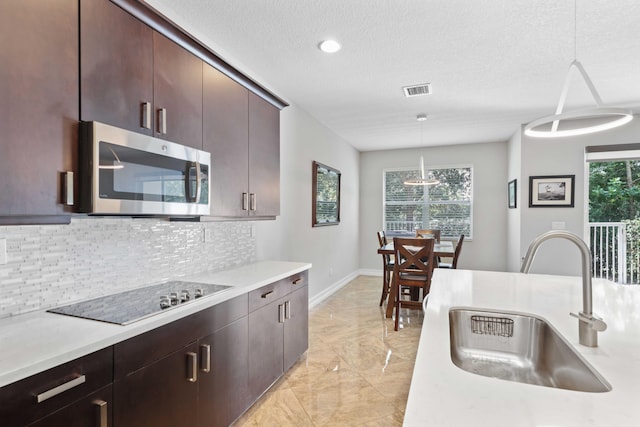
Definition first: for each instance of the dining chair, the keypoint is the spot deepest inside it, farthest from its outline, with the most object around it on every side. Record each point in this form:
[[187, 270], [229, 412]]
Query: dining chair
[[387, 268], [428, 232], [414, 263], [456, 255]]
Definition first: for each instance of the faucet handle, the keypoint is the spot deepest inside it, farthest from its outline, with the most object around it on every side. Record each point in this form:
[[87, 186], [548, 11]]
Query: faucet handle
[[596, 323]]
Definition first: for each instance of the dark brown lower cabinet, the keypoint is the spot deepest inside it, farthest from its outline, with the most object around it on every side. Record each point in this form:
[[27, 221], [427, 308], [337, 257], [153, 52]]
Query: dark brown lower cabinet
[[204, 370], [163, 394], [296, 326], [265, 350], [95, 410], [223, 382], [278, 332], [71, 394]]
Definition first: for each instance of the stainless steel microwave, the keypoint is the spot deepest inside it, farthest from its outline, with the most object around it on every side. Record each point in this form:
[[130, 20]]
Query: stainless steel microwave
[[127, 173]]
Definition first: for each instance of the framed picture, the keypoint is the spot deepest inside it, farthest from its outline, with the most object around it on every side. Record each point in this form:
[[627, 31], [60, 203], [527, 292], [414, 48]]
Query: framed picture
[[325, 195], [551, 191], [512, 192]]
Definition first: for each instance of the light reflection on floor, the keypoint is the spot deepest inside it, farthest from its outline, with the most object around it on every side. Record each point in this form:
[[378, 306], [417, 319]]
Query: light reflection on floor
[[357, 371]]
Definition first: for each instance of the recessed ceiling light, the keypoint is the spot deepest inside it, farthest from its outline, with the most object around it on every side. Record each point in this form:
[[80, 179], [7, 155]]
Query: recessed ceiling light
[[330, 46]]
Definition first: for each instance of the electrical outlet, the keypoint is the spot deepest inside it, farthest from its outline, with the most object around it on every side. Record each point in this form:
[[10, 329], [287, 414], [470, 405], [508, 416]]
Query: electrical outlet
[[3, 251]]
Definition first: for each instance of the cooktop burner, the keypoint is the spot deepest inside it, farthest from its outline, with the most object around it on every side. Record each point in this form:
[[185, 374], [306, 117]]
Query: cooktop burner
[[130, 306]]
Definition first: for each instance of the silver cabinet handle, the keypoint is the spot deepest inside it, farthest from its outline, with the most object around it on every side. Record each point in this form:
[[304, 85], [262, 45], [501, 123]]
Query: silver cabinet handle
[[145, 115], [162, 121], [101, 413], [281, 313], [253, 202], [287, 310], [205, 358], [61, 388], [245, 201], [265, 295], [192, 367], [68, 188], [298, 280]]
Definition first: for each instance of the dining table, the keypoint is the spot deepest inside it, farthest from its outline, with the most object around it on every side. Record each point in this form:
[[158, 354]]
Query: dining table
[[443, 249]]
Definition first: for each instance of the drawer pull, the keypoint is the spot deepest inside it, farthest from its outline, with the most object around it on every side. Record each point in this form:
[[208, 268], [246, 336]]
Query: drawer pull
[[61, 388], [101, 413], [287, 310], [245, 201], [205, 358], [298, 280], [192, 367], [267, 294], [281, 313], [162, 121], [145, 115]]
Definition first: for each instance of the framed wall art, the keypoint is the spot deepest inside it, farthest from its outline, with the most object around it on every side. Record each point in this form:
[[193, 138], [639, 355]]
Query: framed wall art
[[512, 193], [325, 195], [555, 191]]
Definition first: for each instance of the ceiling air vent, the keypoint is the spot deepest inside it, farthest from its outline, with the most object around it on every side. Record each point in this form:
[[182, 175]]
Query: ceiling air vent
[[417, 90]]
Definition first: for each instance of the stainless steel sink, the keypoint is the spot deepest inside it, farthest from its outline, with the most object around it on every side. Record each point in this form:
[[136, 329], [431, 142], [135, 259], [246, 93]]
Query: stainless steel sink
[[521, 348]]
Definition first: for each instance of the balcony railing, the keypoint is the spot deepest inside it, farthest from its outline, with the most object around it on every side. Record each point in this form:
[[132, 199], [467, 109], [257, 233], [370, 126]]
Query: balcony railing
[[616, 251], [608, 243]]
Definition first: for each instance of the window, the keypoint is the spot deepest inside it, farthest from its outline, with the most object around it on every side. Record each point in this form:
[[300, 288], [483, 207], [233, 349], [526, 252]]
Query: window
[[447, 206]]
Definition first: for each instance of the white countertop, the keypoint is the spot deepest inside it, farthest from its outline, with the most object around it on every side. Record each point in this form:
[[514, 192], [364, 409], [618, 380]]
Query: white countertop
[[442, 394], [33, 342]]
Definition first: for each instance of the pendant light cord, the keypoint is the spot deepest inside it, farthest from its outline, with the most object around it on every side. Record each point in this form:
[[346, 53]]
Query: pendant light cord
[[575, 30]]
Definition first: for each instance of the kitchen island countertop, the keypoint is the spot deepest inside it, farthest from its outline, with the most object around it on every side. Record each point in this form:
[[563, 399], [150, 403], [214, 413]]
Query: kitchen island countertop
[[36, 341], [442, 394]]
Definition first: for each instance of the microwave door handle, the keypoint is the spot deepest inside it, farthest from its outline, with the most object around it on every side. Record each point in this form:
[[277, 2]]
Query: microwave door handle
[[198, 182], [188, 186], [187, 182]]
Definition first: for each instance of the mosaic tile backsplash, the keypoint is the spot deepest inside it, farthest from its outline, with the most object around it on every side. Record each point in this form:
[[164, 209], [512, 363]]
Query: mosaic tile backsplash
[[51, 265]]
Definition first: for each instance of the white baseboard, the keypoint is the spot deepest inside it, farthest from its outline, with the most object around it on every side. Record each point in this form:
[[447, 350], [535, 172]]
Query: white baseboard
[[327, 292], [340, 284]]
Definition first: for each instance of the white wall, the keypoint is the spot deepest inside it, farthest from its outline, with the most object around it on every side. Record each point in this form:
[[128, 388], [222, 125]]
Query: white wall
[[561, 156], [487, 250], [333, 250], [514, 155]]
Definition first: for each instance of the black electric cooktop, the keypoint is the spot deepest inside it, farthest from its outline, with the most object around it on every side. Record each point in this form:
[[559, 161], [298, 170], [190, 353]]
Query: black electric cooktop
[[130, 306]]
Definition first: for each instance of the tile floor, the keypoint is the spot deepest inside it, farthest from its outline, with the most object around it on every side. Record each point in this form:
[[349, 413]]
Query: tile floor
[[357, 371]]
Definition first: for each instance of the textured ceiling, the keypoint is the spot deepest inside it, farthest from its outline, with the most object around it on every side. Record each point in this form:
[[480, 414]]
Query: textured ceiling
[[493, 64]]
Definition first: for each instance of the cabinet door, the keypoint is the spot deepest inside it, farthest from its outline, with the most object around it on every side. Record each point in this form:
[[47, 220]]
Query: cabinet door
[[116, 67], [158, 395], [265, 348], [226, 136], [177, 85], [223, 390], [38, 106], [264, 157], [296, 325], [95, 410]]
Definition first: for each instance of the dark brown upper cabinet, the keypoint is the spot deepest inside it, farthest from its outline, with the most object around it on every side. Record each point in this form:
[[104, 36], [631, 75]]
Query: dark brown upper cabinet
[[135, 78], [242, 133], [226, 137], [264, 158], [38, 108]]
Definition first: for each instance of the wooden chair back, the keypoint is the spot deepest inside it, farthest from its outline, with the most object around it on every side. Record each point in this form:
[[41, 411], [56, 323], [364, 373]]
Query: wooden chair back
[[456, 253], [428, 232], [414, 262]]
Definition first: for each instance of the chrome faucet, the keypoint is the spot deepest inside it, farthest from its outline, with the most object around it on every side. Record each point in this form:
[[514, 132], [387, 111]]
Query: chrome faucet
[[589, 325]]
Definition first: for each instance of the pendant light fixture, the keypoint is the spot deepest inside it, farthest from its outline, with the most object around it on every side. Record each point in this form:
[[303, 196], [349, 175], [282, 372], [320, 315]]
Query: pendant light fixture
[[599, 118], [423, 180]]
